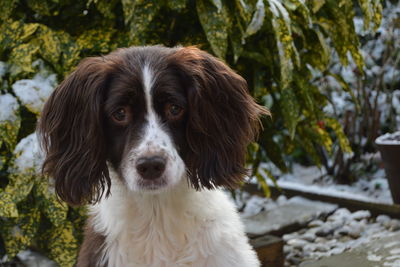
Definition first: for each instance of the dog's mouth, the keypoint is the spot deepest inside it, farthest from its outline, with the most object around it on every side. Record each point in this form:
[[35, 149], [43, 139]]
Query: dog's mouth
[[152, 185]]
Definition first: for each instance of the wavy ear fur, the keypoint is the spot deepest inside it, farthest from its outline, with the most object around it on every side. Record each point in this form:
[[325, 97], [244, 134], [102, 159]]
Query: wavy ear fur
[[222, 119], [71, 132]]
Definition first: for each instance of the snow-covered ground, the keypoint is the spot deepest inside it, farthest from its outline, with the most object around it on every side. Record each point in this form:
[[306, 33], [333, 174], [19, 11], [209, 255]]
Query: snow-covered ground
[[340, 232], [324, 236], [370, 188]]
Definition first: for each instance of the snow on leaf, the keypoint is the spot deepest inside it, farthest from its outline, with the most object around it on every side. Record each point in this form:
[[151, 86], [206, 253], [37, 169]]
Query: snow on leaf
[[33, 93], [215, 24], [257, 20], [29, 156], [10, 120]]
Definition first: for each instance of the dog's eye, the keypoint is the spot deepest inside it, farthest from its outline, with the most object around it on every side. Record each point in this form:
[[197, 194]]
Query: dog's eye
[[173, 112], [121, 115]]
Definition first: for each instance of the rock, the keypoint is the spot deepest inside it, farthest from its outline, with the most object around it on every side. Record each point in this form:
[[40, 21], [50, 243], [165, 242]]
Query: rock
[[309, 236], [337, 250], [382, 219], [355, 232], [315, 223], [282, 199], [394, 225], [324, 231], [361, 214], [345, 230], [320, 240], [322, 247], [297, 243], [287, 237], [341, 213], [309, 247]]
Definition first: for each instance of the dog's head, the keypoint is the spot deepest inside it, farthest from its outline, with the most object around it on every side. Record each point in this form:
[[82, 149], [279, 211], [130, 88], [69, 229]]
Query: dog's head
[[156, 115]]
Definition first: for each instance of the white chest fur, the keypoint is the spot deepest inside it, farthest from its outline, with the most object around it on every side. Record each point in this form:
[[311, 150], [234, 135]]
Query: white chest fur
[[181, 227]]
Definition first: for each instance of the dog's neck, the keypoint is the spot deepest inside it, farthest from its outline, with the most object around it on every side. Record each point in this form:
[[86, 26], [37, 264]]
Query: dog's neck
[[150, 219], [124, 206]]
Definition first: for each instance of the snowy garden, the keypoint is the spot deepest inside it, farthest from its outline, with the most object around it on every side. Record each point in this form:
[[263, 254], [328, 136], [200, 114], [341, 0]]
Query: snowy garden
[[323, 187]]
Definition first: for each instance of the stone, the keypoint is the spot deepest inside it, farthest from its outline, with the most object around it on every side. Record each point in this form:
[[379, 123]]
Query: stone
[[297, 243], [324, 231], [309, 236], [296, 211], [345, 230], [309, 247], [382, 219], [315, 223], [382, 251], [322, 247], [287, 237], [337, 250], [361, 214], [341, 213], [394, 225]]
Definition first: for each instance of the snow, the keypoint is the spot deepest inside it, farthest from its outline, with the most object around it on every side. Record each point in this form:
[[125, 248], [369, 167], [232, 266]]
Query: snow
[[29, 155], [257, 20], [389, 139], [8, 108], [340, 232], [3, 68], [374, 188], [34, 92]]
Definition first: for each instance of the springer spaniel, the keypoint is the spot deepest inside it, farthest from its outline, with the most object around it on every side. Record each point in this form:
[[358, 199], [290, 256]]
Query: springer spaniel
[[147, 135]]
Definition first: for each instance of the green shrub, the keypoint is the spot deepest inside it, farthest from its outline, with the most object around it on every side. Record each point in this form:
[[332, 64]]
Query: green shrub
[[274, 44]]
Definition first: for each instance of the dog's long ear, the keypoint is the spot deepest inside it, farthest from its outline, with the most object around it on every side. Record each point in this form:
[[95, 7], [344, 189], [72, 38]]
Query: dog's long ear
[[222, 119], [71, 133]]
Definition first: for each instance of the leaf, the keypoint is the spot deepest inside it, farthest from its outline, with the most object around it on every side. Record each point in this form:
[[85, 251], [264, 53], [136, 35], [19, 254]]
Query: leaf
[[40, 7], [10, 120], [139, 15], [316, 5], [7, 7], [306, 143], [337, 128], [340, 26], [19, 233], [52, 207], [21, 59], [215, 22], [258, 19], [105, 7], [264, 186], [18, 189], [177, 5], [372, 11], [290, 110], [273, 151], [323, 138], [63, 245], [346, 88], [288, 53]]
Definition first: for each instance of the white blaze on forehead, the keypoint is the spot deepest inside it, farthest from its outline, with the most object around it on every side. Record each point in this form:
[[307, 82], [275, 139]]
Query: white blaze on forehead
[[154, 135], [147, 83]]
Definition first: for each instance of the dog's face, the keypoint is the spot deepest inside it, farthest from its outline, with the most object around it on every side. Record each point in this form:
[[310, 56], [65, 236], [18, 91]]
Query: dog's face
[[156, 115]]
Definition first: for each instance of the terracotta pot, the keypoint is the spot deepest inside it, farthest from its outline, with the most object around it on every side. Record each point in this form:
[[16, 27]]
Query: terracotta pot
[[389, 147]]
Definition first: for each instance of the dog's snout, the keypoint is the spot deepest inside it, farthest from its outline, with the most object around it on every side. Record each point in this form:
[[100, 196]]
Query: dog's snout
[[151, 167]]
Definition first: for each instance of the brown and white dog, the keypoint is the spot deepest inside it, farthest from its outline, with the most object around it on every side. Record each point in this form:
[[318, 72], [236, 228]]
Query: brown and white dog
[[147, 135]]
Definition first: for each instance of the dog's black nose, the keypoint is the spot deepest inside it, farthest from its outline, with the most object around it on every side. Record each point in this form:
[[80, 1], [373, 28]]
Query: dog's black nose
[[151, 167]]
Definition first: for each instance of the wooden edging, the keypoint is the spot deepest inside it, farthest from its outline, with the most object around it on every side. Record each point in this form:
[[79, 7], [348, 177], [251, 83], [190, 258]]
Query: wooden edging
[[351, 204]]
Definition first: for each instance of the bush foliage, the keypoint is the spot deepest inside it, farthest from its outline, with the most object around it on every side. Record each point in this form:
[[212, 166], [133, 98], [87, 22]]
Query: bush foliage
[[274, 44]]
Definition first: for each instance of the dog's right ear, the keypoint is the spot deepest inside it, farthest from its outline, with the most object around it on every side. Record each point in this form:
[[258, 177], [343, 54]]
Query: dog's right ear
[[71, 133]]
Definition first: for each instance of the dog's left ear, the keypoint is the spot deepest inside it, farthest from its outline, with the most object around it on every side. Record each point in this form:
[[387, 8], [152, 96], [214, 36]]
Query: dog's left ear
[[222, 119]]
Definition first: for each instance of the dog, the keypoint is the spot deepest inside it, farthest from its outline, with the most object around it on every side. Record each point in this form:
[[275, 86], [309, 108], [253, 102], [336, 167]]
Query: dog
[[148, 136]]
